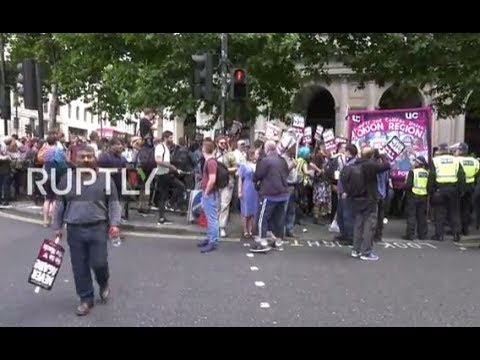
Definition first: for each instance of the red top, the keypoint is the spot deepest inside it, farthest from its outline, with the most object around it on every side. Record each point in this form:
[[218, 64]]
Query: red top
[[210, 168]]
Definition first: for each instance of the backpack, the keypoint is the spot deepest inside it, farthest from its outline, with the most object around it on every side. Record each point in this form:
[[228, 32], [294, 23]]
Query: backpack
[[180, 159], [330, 168], [146, 158], [353, 181], [223, 175]]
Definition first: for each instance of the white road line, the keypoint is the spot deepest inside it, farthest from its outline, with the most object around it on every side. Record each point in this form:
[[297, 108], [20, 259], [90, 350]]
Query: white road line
[[265, 305], [259, 283], [250, 255], [253, 268]]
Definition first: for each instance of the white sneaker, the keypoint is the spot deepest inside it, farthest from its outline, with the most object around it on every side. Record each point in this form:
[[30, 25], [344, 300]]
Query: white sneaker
[[355, 254], [369, 257], [223, 233]]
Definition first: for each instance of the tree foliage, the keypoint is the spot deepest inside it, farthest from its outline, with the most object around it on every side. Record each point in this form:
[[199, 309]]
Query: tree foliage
[[121, 73]]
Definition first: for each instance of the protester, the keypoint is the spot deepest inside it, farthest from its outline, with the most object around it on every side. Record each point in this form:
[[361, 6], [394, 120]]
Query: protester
[[322, 190], [94, 139], [247, 193], [147, 124], [226, 157], [4, 176], [271, 173], [382, 184], [91, 215], [164, 167], [360, 185], [293, 182], [210, 197]]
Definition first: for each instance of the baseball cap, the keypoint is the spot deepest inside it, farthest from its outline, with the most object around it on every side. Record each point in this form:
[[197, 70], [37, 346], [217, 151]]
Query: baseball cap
[[421, 160]]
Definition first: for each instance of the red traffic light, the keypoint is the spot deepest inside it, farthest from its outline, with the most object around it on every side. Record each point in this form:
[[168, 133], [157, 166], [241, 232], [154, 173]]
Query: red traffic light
[[239, 75]]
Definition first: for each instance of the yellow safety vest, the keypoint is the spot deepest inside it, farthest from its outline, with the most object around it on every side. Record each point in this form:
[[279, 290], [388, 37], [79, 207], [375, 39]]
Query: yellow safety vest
[[420, 182], [471, 166], [446, 167]]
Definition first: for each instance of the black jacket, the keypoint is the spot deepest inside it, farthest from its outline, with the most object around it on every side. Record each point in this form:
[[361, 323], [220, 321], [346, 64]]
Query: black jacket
[[272, 174], [371, 168]]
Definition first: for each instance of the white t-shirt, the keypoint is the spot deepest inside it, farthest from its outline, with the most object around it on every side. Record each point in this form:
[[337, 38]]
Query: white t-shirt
[[161, 151], [94, 146]]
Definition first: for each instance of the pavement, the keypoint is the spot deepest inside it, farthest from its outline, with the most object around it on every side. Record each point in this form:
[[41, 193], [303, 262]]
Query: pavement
[[394, 230], [167, 282]]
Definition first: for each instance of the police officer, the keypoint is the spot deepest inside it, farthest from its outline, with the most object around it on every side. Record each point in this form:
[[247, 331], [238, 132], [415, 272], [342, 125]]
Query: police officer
[[471, 168], [447, 179], [417, 194]]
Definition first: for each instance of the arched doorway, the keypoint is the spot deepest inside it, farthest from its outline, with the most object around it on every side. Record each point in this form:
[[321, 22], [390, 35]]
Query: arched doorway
[[401, 97], [321, 109], [472, 123]]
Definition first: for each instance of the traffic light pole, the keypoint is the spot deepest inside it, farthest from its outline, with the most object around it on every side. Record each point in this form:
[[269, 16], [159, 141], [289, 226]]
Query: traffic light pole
[[3, 79], [41, 126], [224, 68]]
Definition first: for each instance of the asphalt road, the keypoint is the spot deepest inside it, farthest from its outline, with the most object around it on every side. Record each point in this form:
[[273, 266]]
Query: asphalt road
[[167, 282]]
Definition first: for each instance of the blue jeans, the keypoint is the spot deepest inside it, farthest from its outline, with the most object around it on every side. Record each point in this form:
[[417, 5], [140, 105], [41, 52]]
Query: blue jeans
[[88, 250], [5, 187], [345, 218], [210, 206]]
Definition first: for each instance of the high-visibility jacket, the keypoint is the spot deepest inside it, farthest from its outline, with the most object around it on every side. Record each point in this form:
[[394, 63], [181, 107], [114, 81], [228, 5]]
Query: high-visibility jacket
[[471, 166], [420, 182], [446, 167]]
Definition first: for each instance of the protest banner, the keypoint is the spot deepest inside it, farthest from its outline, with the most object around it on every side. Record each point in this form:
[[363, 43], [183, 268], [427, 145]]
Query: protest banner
[[394, 148], [47, 264], [288, 140], [272, 132], [377, 128], [298, 121], [329, 139], [319, 132]]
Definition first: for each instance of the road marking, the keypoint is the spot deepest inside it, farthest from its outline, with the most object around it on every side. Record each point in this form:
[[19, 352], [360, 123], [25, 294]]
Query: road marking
[[253, 268], [20, 218], [265, 305], [462, 248], [250, 255], [246, 245], [259, 283], [295, 243], [311, 243]]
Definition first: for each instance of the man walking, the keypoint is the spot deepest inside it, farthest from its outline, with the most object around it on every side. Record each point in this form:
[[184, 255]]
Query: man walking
[[209, 197], [91, 214], [272, 175]]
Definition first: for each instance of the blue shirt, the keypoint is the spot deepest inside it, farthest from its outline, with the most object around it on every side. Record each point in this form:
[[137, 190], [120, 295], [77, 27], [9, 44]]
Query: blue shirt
[[382, 179]]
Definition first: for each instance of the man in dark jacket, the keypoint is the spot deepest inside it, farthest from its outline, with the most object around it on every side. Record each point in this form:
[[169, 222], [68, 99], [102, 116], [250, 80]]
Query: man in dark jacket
[[271, 174], [365, 206]]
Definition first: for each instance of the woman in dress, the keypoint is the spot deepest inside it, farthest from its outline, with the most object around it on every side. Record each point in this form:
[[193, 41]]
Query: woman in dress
[[322, 190], [246, 192]]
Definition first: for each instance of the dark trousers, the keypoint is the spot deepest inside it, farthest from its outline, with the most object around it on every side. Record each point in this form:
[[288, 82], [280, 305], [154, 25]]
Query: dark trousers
[[162, 190], [380, 216], [290, 212], [271, 217], [466, 209], [334, 205], [365, 221], [4, 187], [417, 216], [447, 207], [345, 218], [88, 250]]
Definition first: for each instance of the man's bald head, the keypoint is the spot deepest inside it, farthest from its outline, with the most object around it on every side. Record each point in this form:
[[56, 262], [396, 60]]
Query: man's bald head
[[367, 152], [270, 146]]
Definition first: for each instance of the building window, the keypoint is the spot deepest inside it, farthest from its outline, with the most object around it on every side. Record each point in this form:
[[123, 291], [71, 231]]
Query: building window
[[69, 111], [85, 113], [77, 113]]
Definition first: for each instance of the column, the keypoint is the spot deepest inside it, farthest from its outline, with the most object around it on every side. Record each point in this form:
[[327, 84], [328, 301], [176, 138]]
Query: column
[[371, 95], [179, 128], [460, 128], [341, 110]]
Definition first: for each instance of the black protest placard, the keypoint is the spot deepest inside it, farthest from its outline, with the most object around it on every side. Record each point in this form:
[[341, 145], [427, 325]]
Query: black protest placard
[[394, 148], [46, 266]]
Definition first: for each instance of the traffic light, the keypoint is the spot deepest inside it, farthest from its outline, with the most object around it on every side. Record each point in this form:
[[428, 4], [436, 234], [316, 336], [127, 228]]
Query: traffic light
[[239, 90], [28, 129], [203, 77], [6, 105], [27, 79]]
